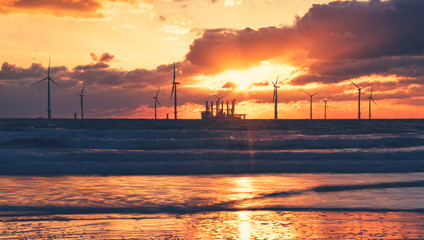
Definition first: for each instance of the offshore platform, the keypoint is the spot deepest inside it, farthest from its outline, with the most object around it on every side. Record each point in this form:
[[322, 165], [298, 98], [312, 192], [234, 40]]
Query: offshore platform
[[220, 113]]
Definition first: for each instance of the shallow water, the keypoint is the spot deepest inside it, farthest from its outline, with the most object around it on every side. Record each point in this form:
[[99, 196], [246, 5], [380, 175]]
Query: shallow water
[[182, 194]]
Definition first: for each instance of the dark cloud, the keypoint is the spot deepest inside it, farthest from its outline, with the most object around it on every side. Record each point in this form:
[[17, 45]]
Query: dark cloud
[[9, 71], [332, 71], [332, 42]]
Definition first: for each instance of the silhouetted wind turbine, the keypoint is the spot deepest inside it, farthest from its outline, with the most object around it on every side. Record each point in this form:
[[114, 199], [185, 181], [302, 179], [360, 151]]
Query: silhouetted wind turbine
[[311, 95], [219, 103], [156, 101], [174, 88], [359, 97], [369, 101], [49, 79], [219, 98], [275, 98], [325, 107], [82, 100]]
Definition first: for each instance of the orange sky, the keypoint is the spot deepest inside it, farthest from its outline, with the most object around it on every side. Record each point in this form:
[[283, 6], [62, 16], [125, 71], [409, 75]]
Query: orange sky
[[124, 50]]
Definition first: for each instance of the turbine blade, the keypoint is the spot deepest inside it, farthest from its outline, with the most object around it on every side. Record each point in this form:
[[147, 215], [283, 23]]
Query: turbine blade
[[315, 94], [172, 92], [174, 73], [328, 98], [39, 81], [83, 85], [157, 101], [276, 81], [273, 83], [48, 70], [373, 101], [157, 93], [354, 83], [366, 86], [213, 94], [56, 83], [307, 93]]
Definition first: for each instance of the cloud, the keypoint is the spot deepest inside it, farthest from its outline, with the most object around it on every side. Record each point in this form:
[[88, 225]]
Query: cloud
[[12, 72], [59, 8], [104, 57], [176, 29], [332, 42], [231, 3], [260, 84], [229, 85]]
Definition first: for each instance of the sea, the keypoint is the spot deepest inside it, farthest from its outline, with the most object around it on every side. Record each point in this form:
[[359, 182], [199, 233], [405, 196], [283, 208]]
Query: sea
[[211, 179]]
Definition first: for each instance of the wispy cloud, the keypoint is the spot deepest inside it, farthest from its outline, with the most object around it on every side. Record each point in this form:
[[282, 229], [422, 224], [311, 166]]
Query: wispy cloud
[[176, 29]]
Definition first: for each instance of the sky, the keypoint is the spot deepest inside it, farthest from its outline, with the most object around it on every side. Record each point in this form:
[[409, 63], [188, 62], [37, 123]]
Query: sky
[[124, 51]]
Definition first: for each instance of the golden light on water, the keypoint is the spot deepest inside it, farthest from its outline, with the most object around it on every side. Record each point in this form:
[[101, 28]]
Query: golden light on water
[[243, 190], [244, 225]]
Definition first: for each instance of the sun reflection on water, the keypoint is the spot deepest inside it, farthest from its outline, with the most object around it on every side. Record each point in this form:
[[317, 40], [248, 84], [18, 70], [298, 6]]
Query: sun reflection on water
[[244, 225]]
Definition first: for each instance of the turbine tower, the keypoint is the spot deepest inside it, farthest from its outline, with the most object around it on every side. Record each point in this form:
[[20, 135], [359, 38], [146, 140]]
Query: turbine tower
[[82, 100], [174, 89], [325, 107], [311, 95], [156, 101], [359, 97], [369, 102], [275, 98], [49, 79]]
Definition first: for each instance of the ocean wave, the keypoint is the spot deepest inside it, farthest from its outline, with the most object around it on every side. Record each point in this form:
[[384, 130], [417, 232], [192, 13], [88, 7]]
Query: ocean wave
[[144, 140], [178, 162]]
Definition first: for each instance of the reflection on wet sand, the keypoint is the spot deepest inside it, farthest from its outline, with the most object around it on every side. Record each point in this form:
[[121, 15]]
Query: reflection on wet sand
[[219, 225], [274, 206]]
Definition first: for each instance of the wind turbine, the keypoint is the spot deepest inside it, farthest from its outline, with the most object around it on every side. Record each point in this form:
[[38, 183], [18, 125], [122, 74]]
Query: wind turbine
[[219, 98], [82, 100], [49, 79], [359, 97], [369, 101], [311, 95], [219, 102], [174, 88], [275, 98], [156, 101], [325, 107]]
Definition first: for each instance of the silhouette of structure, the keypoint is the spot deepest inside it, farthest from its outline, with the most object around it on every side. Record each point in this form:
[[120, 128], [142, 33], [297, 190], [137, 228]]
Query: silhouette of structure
[[219, 110], [174, 89], [325, 107], [275, 98], [82, 100], [156, 101], [49, 79], [369, 102], [310, 95], [359, 97], [220, 114]]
